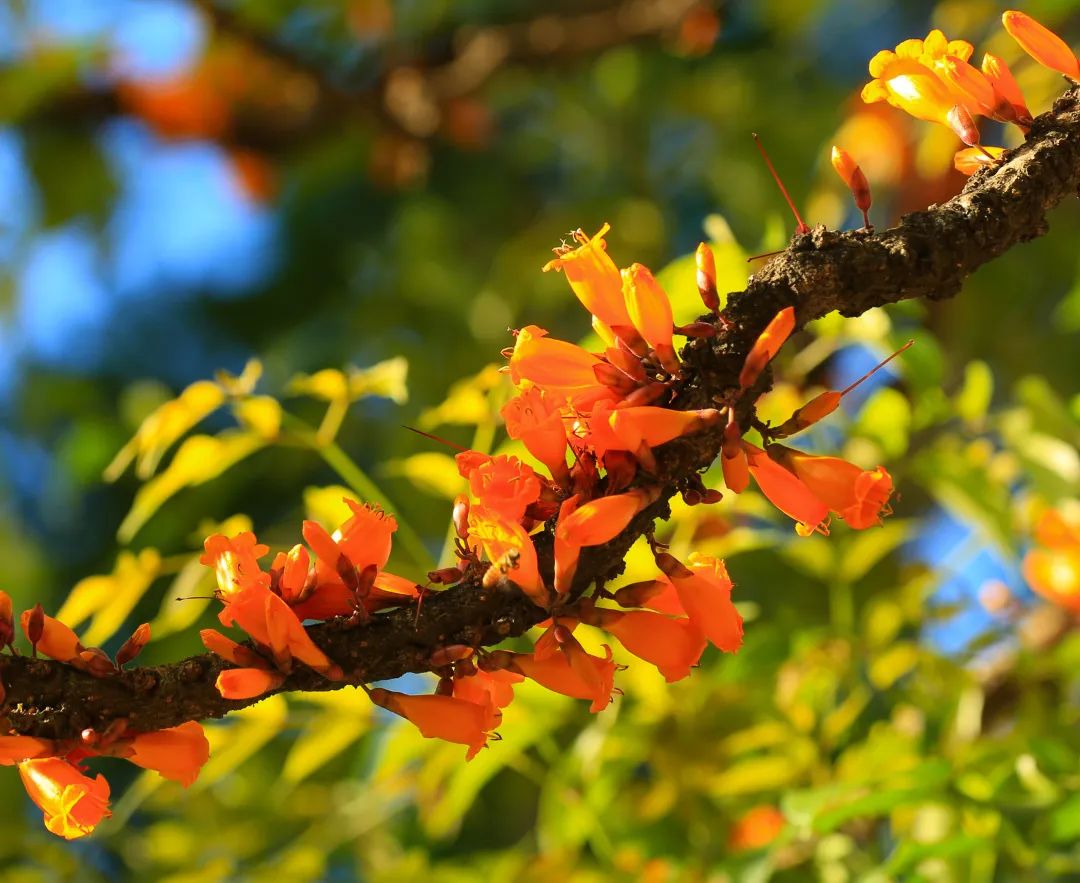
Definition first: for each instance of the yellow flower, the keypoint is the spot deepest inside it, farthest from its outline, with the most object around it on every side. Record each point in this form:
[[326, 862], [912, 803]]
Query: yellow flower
[[910, 77]]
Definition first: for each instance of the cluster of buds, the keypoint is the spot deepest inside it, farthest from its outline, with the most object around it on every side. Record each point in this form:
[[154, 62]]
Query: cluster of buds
[[53, 771]]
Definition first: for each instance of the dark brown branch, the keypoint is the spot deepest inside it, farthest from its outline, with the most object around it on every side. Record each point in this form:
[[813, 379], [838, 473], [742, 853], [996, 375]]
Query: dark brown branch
[[928, 256], [409, 97]]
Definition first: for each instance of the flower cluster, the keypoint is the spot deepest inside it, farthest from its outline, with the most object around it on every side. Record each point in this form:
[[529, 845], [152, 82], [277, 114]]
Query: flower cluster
[[344, 577], [53, 771], [933, 80]]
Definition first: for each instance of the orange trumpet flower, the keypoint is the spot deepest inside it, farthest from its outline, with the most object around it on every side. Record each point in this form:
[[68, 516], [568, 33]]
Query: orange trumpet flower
[[1041, 43], [591, 524], [272, 623], [704, 592], [236, 562], [674, 646], [1007, 91], [73, 804], [531, 418], [594, 278], [491, 690], [557, 367], [503, 484], [858, 496], [786, 492], [589, 677], [440, 717], [177, 753]]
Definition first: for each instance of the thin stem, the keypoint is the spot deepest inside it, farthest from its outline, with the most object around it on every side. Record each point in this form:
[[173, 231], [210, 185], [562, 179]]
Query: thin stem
[[800, 225]]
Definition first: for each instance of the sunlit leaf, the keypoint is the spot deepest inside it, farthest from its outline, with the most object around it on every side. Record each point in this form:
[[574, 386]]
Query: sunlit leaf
[[430, 471]]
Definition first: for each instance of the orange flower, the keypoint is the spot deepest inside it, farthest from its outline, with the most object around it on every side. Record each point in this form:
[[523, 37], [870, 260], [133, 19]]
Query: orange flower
[[756, 828], [650, 311], [651, 426], [594, 278], [367, 536], [440, 717], [786, 492], [16, 749], [1055, 574], [506, 541], [491, 690], [177, 753], [857, 495], [247, 683], [853, 176], [1041, 43], [971, 159], [73, 804], [236, 562], [590, 677], [767, 346], [674, 646], [272, 623], [531, 418], [704, 591], [1007, 91], [557, 367], [591, 524], [503, 484], [1054, 571], [57, 641], [969, 87]]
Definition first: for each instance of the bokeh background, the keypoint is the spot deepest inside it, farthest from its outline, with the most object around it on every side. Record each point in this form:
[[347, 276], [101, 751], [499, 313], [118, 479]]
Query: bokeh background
[[187, 184]]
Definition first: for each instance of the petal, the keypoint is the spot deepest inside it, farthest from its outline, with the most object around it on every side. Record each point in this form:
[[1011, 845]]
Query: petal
[[247, 683], [177, 753]]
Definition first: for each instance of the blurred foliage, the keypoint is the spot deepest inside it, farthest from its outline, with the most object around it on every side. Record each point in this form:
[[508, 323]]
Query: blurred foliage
[[904, 708]]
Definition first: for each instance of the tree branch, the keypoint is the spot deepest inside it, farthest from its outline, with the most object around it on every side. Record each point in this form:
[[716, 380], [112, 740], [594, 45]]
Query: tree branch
[[410, 94], [928, 255]]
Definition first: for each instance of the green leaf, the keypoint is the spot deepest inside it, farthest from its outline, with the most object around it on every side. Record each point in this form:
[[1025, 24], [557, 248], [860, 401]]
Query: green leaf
[[973, 399], [344, 718], [886, 419], [866, 548]]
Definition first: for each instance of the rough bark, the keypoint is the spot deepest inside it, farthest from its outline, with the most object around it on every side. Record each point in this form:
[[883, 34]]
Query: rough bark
[[928, 255]]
